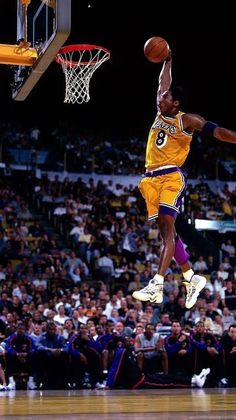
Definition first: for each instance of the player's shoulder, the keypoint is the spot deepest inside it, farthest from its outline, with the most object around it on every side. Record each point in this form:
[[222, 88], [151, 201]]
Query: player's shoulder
[[192, 122]]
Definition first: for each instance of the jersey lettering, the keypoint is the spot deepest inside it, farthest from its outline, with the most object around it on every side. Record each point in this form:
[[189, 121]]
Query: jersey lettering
[[165, 126]]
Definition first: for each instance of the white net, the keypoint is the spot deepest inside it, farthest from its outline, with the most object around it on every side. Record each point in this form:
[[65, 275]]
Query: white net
[[79, 62]]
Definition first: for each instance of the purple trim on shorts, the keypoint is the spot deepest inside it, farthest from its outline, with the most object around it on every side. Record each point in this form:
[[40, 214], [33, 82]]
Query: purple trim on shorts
[[167, 210], [159, 172], [182, 194]]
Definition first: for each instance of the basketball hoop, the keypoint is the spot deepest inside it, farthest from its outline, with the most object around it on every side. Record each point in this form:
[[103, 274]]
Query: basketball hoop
[[79, 62]]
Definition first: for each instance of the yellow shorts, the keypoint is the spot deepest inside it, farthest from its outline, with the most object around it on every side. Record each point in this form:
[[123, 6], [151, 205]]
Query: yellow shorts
[[163, 194]]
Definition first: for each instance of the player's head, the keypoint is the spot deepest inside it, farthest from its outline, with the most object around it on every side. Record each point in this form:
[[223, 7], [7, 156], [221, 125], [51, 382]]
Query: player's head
[[172, 100], [178, 95]]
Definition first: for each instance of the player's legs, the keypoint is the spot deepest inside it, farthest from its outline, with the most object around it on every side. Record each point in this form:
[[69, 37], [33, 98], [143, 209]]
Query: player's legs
[[193, 282], [153, 292], [161, 195]]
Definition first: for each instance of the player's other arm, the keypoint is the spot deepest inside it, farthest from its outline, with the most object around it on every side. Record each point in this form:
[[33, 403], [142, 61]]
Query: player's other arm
[[192, 122], [165, 77]]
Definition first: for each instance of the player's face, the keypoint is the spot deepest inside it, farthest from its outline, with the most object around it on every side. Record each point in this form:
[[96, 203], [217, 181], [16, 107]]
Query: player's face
[[165, 103]]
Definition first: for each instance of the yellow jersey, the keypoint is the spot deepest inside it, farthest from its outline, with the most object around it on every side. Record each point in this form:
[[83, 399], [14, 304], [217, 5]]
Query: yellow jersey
[[168, 143]]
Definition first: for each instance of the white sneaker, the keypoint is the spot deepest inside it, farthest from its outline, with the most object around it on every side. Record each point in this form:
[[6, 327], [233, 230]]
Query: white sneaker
[[223, 383], [31, 385], [2, 387], [101, 385], [199, 380], [153, 292], [194, 287], [11, 386]]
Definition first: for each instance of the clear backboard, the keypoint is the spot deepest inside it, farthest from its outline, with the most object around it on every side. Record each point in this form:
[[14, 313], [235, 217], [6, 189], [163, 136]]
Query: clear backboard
[[46, 28]]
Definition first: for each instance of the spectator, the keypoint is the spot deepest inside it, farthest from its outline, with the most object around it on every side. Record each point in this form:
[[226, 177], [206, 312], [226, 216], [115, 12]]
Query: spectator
[[151, 354], [207, 352], [229, 357], [164, 326], [52, 359], [61, 316], [179, 350], [230, 295], [218, 327], [227, 318], [86, 360], [206, 320], [20, 356]]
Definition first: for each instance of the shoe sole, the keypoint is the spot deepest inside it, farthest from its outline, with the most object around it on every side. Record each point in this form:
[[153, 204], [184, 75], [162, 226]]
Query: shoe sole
[[137, 296], [199, 287], [142, 298]]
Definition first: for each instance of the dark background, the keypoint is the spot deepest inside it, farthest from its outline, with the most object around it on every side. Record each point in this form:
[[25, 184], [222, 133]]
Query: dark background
[[123, 89]]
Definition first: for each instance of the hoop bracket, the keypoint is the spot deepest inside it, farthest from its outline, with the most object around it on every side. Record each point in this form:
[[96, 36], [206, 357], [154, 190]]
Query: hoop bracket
[[17, 55]]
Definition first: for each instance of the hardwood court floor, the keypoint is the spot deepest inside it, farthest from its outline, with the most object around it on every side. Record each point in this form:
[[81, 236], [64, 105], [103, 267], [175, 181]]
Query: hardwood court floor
[[201, 404]]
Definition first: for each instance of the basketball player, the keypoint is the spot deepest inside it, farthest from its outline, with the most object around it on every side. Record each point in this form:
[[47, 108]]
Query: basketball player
[[164, 183]]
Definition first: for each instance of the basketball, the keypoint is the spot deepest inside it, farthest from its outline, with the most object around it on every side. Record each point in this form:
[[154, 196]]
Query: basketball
[[156, 49]]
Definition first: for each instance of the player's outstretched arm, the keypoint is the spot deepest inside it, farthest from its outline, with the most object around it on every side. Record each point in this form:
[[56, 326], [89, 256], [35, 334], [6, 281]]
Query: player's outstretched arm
[[165, 77], [192, 122]]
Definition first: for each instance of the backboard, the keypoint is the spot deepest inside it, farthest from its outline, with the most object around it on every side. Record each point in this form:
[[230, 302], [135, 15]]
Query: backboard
[[48, 27]]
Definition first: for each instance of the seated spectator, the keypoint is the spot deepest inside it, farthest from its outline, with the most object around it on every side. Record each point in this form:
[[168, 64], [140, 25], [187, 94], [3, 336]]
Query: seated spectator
[[68, 329], [82, 319], [170, 284], [164, 326], [207, 352], [85, 359], [170, 305], [228, 342], [151, 354], [228, 250], [222, 273], [61, 316], [218, 328], [200, 266], [52, 369], [212, 311], [206, 320], [37, 330], [230, 295], [120, 329], [179, 351], [227, 318], [20, 355]]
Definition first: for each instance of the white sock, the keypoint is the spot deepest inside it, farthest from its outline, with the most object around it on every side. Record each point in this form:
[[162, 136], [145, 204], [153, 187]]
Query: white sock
[[188, 275], [11, 379], [158, 278], [31, 379]]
